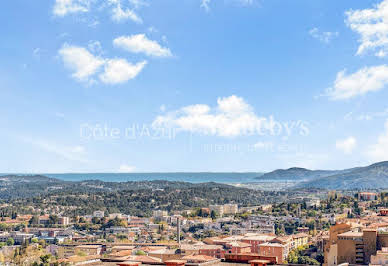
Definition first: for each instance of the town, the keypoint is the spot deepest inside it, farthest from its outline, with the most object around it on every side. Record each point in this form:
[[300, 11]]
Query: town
[[328, 228]]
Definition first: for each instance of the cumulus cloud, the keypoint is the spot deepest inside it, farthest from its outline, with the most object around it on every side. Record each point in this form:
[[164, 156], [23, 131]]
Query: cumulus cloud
[[78, 59], [85, 66], [346, 145], [119, 14], [323, 36], [367, 79], [230, 118], [120, 70], [139, 43], [121, 10], [379, 150], [64, 7], [372, 26]]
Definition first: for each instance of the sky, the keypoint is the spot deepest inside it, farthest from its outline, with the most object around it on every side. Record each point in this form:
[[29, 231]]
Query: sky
[[192, 85]]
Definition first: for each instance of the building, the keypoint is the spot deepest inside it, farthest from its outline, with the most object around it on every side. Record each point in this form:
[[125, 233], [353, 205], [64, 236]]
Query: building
[[238, 247], [216, 251], [200, 260], [230, 208], [367, 196], [330, 246], [18, 237], [88, 249], [64, 220], [98, 214], [383, 212], [300, 239], [266, 207], [115, 215], [313, 203], [159, 213], [273, 250], [356, 247], [256, 240], [381, 257], [350, 248], [219, 209]]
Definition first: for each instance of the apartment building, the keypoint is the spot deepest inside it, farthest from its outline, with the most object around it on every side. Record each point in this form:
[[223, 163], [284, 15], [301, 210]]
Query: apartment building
[[98, 214], [159, 213], [230, 208], [274, 249], [256, 240], [381, 257], [355, 247], [88, 249], [219, 209], [367, 196]]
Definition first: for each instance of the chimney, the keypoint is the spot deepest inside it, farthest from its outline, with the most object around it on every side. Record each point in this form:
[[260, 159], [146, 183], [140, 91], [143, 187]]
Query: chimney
[[178, 228]]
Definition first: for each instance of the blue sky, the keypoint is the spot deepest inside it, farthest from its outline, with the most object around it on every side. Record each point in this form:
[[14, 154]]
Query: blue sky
[[192, 85]]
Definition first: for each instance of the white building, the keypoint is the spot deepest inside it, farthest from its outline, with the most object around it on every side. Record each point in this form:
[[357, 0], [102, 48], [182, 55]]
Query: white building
[[230, 208], [98, 214], [115, 215], [159, 213]]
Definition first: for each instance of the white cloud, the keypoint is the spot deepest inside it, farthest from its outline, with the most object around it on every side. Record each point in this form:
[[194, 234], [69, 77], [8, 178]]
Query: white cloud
[[81, 61], [379, 151], [372, 26], [85, 65], [119, 14], [139, 43], [124, 168], [205, 4], [120, 70], [346, 145], [323, 36], [232, 117], [64, 7], [365, 80]]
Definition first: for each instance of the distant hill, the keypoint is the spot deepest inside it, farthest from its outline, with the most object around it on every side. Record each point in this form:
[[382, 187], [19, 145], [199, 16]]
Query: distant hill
[[374, 176], [298, 174], [25, 186]]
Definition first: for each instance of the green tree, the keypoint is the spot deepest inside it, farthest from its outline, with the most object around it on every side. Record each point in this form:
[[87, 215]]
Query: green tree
[[10, 241]]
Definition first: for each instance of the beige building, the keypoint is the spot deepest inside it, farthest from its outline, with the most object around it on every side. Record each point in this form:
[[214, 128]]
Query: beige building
[[354, 247], [219, 209], [230, 208], [159, 213], [88, 249], [224, 209], [381, 257]]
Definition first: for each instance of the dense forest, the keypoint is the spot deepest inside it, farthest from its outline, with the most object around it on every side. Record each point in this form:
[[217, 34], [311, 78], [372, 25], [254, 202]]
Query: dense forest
[[134, 198]]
